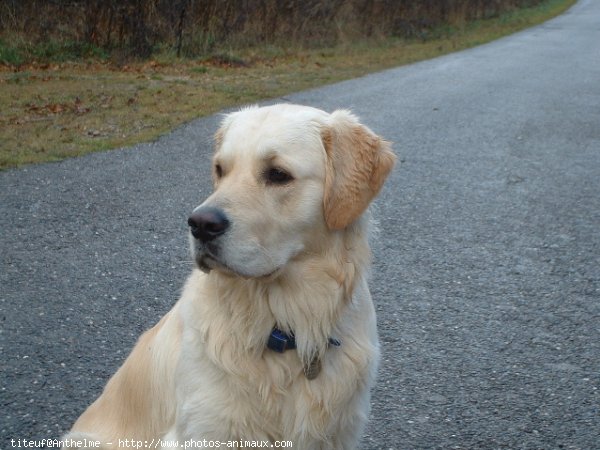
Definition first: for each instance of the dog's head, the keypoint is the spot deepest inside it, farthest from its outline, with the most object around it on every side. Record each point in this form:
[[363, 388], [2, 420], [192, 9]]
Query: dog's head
[[285, 178]]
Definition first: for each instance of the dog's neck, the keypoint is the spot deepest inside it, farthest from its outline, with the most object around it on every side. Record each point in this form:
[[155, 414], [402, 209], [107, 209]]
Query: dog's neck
[[306, 299]]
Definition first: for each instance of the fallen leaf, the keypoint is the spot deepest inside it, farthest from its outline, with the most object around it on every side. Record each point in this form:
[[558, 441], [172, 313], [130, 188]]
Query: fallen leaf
[[55, 108]]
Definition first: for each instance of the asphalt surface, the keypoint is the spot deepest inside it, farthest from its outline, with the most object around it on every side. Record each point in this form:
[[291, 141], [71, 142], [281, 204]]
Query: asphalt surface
[[487, 264]]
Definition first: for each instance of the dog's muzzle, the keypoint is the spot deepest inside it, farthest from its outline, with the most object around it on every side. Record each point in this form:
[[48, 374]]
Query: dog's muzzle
[[206, 224]]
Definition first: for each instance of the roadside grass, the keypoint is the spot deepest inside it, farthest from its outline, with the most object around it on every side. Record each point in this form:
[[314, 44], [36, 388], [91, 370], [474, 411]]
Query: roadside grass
[[53, 111]]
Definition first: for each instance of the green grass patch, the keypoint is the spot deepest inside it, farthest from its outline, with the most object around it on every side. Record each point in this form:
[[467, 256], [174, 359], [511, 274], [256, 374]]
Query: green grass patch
[[10, 55], [17, 52]]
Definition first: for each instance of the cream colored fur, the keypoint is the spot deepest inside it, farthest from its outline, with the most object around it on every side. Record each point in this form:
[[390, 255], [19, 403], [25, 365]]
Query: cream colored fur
[[296, 256]]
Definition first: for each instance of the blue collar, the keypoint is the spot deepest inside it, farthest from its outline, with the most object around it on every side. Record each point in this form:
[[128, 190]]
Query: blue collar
[[280, 341]]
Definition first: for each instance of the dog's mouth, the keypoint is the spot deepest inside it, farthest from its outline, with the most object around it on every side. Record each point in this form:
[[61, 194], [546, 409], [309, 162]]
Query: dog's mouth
[[207, 261]]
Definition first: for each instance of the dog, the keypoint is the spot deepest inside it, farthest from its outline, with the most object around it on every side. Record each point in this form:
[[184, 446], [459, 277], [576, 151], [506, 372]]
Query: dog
[[274, 337]]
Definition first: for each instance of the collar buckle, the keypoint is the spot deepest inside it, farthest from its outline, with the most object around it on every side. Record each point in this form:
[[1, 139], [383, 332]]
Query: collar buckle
[[280, 342]]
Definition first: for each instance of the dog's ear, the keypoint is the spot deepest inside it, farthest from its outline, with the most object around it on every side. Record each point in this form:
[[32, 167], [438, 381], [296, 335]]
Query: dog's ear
[[358, 162]]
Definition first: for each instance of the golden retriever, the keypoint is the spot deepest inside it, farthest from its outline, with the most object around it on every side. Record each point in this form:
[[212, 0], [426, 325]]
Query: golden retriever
[[274, 338]]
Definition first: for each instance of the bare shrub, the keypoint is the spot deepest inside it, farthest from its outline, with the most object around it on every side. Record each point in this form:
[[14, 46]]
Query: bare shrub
[[198, 27]]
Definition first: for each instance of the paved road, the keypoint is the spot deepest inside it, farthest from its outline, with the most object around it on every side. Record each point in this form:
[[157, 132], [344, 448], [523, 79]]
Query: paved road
[[487, 275]]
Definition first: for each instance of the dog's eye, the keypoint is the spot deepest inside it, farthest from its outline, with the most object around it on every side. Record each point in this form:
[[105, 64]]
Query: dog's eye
[[218, 171], [278, 176]]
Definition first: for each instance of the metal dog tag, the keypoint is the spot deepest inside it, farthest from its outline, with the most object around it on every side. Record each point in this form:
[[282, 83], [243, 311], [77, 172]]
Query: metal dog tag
[[312, 370]]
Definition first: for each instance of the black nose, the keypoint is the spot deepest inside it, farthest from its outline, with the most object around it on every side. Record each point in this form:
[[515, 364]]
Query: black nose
[[207, 223]]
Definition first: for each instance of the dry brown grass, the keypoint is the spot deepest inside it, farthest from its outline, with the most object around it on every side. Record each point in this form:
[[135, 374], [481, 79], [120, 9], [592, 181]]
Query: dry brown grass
[[53, 111]]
